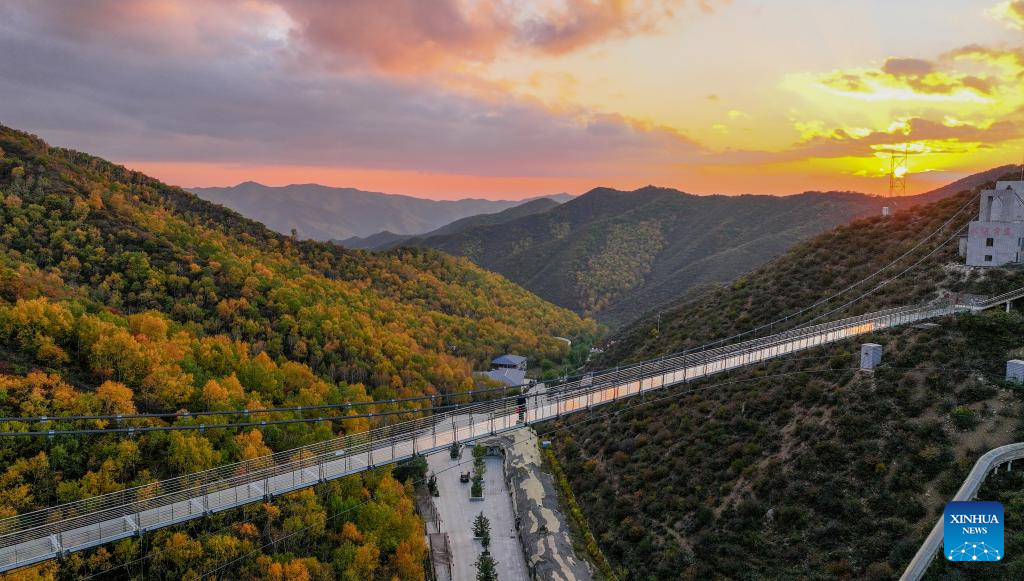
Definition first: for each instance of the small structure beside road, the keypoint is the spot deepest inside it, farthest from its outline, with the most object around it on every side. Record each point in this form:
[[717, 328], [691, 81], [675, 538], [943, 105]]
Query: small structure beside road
[[508, 369]]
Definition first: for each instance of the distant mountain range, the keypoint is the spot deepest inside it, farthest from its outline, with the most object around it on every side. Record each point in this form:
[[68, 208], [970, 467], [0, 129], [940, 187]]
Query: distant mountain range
[[325, 213], [616, 255], [386, 240], [611, 254]]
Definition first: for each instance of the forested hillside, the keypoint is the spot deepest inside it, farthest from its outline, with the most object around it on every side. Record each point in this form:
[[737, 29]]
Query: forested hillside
[[121, 294], [817, 269], [804, 467], [970, 182], [616, 255]]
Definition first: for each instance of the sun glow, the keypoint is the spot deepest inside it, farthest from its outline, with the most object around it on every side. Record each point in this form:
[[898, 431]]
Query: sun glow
[[515, 99]]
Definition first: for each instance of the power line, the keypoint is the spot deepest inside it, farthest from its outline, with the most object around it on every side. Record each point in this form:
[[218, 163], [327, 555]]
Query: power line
[[591, 417], [202, 427], [890, 279], [629, 405], [266, 423], [837, 294], [644, 400], [346, 405], [150, 554]]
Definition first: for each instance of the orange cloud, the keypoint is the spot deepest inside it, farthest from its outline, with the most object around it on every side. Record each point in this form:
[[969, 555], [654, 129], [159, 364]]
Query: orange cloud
[[1010, 12], [905, 78], [413, 35], [407, 36], [1010, 60], [917, 135]]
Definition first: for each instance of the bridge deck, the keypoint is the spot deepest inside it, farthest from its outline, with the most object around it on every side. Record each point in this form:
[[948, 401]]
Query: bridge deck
[[33, 537]]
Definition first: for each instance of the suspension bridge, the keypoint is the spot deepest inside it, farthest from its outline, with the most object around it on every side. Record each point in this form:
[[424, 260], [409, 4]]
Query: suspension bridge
[[54, 532]]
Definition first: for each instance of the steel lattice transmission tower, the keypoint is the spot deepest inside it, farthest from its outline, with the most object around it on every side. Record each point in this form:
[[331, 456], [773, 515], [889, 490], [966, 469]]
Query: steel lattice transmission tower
[[898, 172]]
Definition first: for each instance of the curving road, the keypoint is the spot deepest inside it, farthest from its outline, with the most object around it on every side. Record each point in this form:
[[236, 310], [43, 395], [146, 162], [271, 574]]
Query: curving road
[[968, 491]]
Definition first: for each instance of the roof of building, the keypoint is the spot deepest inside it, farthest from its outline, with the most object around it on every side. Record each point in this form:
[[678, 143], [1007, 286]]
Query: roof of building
[[1003, 185], [508, 376], [509, 360]]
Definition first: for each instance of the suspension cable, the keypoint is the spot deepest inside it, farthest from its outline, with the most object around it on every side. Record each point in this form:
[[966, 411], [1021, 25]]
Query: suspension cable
[[473, 393], [835, 295], [630, 405], [329, 406]]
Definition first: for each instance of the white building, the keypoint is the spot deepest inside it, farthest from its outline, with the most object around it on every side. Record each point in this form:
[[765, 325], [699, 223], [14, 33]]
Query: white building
[[509, 369], [997, 236]]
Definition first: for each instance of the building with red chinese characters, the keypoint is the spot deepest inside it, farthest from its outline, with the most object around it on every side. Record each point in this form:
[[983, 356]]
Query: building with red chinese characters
[[996, 238]]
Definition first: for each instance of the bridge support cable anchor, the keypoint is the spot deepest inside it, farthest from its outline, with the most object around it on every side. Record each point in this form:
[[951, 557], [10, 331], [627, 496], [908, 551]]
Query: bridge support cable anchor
[[1015, 371], [130, 524], [369, 450], [198, 505], [870, 356], [433, 430]]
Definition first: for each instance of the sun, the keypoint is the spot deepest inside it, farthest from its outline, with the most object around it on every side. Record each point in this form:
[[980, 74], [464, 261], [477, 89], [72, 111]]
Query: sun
[[900, 171]]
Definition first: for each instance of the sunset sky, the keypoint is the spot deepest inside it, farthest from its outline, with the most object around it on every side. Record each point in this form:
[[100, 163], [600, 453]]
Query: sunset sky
[[508, 99]]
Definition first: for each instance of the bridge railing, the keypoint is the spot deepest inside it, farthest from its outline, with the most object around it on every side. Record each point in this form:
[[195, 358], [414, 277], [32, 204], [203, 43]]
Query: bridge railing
[[131, 502], [1000, 299], [89, 520]]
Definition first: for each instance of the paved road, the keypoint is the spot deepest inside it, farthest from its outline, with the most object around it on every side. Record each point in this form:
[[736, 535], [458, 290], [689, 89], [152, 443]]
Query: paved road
[[457, 512]]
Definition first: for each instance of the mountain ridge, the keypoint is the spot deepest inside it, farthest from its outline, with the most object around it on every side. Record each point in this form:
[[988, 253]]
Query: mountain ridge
[[331, 213], [120, 294], [674, 235], [793, 464], [693, 241], [387, 240]]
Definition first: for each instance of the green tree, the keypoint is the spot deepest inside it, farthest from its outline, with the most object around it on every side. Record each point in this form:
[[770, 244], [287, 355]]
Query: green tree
[[482, 529], [486, 568], [191, 453]]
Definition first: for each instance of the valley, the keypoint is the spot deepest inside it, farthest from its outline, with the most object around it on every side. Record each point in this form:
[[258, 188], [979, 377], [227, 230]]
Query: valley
[[106, 342], [123, 295], [587, 290]]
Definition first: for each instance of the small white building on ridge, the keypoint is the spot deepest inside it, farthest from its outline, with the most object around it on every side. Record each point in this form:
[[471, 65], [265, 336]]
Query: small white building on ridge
[[508, 369], [996, 238]]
